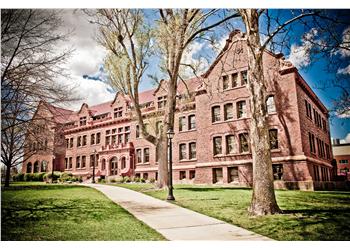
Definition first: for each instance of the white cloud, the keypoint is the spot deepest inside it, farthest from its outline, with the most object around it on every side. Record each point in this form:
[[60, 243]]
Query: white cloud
[[344, 71], [345, 52], [346, 139], [199, 63], [300, 55], [86, 59]]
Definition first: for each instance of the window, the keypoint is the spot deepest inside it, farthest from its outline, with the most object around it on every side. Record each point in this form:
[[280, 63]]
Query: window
[[233, 174], [67, 143], [83, 161], [137, 131], [191, 122], [217, 175], [273, 135], [217, 145], [127, 129], [228, 111], [192, 174], [277, 171], [241, 109], [215, 114], [84, 140], [118, 112], [316, 173], [108, 132], [243, 143], [182, 175], [123, 163], [225, 82], [70, 162], [120, 139], [182, 123], [127, 137], [120, 130], [145, 176], [79, 141], [312, 143], [71, 141], [114, 139], [78, 162], [146, 155], [98, 138], [343, 161], [161, 102], [308, 109], [230, 144], [328, 155], [182, 151], [66, 162], [92, 139], [108, 140], [270, 104], [324, 125], [92, 160], [138, 156], [244, 77], [82, 121], [234, 80], [192, 147]]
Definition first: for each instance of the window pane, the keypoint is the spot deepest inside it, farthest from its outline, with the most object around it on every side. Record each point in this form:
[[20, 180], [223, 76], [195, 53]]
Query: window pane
[[225, 82], [217, 145], [270, 103], [241, 109], [228, 109], [234, 80], [230, 144], [191, 122], [216, 114], [243, 140], [273, 134], [192, 150], [182, 152]]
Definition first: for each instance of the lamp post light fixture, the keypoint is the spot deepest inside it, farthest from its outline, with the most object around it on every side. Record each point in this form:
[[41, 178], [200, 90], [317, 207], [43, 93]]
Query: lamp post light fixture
[[93, 167], [170, 135], [53, 166]]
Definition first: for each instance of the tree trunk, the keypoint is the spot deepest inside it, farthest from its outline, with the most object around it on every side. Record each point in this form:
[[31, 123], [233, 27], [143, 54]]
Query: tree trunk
[[263, 199], [7, 176], [162, 161]]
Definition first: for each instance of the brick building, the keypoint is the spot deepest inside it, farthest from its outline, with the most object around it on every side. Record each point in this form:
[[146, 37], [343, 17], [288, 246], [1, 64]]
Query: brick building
[[341, 153], [211, 143]]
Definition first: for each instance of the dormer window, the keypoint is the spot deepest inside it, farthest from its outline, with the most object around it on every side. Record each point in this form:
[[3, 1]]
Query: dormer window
[[83, 121], [225, 82], [244, 78], [161, 102], [118, 112]]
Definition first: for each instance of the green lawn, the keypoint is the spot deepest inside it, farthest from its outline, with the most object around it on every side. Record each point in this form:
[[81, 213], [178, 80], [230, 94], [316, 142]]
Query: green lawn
[[66, 212], [307, 215]]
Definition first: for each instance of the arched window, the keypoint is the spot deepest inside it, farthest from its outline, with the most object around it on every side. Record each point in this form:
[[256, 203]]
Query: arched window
[[36, 167], [29, 167], [43, 166], [123, 163], [113, 164], [270, 105]]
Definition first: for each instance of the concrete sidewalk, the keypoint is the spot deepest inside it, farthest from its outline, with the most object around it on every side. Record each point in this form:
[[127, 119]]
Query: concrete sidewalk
[[172, 221]]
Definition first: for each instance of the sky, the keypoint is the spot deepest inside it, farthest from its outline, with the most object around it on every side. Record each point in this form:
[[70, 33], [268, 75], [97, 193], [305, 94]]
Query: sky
[[90, 81]]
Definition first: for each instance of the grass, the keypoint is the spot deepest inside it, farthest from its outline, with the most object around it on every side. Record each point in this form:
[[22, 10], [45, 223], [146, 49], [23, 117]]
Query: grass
[[66, 212], [307, 215]]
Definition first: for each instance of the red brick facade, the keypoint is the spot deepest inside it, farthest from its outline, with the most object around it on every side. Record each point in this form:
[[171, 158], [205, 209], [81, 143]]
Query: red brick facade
[[211, 143]]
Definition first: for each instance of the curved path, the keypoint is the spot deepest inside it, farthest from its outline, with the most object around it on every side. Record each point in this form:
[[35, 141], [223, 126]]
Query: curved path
[[172, 221]]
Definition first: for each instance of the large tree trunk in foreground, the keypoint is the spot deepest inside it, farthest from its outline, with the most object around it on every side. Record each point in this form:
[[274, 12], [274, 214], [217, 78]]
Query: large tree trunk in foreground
[[263, 199]]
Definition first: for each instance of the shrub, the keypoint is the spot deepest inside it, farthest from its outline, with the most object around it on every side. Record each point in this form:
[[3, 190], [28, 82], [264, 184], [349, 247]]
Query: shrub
[[41, 176], [126, 179], [102, 181], [113, 181], [136, 179], [66, 177], [18, 177], [119, 179], [56, 176], [142, 180], [28, 177], [152, 180], [80, 179]]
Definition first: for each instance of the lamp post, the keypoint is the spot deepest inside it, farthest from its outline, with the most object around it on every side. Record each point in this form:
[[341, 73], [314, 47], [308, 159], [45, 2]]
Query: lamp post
[[93, 167], [53, 166], [170, 135]]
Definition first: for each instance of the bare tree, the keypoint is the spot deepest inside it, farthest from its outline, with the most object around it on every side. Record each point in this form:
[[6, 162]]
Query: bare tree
[[31, 61]]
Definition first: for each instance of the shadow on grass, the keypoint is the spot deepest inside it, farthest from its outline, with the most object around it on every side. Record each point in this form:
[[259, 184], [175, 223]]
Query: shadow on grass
[[41, 187], [205, 189], [311, 212]]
